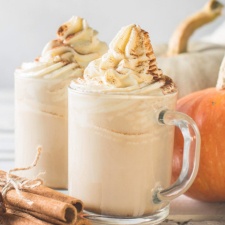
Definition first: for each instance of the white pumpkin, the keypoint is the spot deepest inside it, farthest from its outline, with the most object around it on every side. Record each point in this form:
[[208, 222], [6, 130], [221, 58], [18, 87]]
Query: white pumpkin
[[193, 67], [217, 36]]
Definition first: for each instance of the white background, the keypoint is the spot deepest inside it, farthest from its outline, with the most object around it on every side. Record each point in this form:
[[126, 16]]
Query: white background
[[27, 25]]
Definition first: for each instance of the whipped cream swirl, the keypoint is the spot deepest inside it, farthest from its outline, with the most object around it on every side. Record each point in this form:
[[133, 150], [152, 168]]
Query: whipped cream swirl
[[128, 66], [66, 57], [83, 39]]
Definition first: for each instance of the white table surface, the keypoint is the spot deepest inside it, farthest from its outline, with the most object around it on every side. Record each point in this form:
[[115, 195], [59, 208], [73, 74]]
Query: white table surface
[[183, 210]]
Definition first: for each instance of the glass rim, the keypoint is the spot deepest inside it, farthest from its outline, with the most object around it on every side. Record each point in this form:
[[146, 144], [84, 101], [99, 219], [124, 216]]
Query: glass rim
[[119, 94]]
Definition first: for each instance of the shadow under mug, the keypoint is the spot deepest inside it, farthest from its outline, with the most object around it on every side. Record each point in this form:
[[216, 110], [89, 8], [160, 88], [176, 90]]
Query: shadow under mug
[[120, 155]]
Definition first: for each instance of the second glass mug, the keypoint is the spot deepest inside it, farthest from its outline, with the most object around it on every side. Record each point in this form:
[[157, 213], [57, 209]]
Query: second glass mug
[[120, 155]]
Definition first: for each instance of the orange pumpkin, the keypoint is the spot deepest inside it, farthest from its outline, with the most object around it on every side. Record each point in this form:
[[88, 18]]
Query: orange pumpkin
[[207, 108]]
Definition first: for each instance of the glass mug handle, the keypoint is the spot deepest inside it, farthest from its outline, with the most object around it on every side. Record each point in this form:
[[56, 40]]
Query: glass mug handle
[[191, 154]]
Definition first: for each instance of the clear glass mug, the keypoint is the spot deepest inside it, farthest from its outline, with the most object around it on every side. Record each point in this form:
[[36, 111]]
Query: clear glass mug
[[120, 155]]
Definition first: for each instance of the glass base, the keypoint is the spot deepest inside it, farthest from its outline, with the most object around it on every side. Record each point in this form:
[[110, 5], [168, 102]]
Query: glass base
[[156, 218]]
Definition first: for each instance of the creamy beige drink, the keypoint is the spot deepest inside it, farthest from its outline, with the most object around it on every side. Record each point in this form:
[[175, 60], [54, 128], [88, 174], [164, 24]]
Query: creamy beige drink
[[118, 153], [41, 100]]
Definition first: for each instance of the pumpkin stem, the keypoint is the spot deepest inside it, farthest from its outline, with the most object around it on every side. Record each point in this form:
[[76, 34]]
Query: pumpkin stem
[[221, 78], [179, 40]]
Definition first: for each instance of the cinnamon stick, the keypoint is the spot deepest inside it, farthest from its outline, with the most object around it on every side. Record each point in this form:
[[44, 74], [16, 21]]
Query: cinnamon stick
[[42, 217], [13, 217], [50, 193], [2, 205], [42, 205]]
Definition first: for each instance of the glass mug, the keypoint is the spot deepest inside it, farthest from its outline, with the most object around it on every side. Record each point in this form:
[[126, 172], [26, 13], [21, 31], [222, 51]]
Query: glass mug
[[120, 155], [41, 119]]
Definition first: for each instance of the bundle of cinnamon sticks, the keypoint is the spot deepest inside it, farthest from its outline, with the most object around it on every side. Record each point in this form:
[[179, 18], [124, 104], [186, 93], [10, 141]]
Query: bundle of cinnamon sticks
[[39, 206]]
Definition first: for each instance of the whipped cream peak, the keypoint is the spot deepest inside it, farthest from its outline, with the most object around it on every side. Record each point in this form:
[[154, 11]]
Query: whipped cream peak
[[133, 45], [77, 34], [132, 41], [128, 66], [67, 56], [71, 27], [118, 44]]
